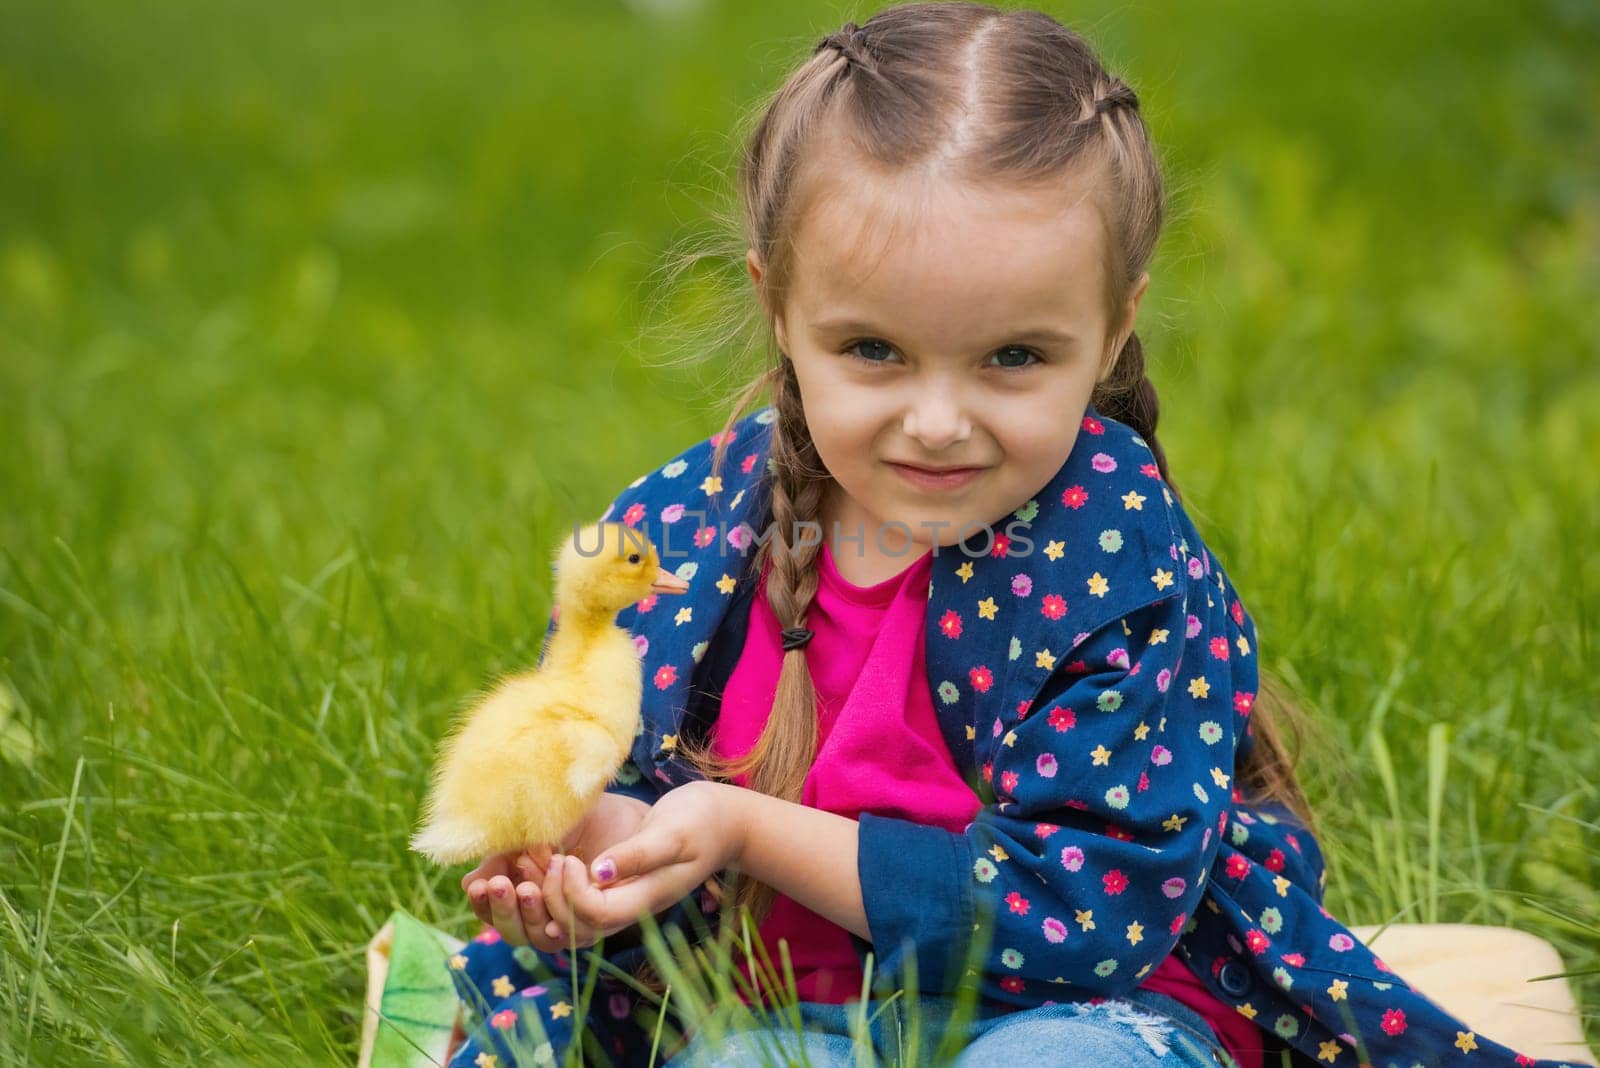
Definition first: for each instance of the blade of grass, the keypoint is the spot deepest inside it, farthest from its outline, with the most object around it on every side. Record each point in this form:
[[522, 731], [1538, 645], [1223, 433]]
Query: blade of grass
[[40, 945], [1438, 758]]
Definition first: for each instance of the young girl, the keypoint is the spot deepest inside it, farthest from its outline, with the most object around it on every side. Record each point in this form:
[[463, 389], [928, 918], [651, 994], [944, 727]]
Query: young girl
[[982, 703]]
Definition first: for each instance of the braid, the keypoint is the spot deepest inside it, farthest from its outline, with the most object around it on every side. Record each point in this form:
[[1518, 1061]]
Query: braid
[[1128, 396], [797, 492], [1111, 95], [777, 765], [1108, 100], [850, 41]]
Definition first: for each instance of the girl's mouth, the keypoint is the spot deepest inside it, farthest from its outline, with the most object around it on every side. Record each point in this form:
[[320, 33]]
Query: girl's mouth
[[948, 479]]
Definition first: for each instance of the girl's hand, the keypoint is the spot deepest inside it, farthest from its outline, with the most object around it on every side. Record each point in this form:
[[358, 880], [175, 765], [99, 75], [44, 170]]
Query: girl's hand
[[505, 889], [690, 834]]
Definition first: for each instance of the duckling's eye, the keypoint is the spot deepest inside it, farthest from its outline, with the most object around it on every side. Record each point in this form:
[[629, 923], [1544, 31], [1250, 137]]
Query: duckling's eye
[[633, 558]]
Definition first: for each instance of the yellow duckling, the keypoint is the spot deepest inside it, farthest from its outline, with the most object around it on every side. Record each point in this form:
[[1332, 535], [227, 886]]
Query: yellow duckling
[[530, 758]]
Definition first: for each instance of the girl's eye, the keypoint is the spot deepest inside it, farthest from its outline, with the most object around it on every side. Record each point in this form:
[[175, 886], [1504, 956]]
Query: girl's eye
[[864, 350], [1017, 350], [875, 351]]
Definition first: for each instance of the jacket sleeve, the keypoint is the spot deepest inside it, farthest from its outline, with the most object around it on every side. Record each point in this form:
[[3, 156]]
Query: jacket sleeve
[[1109, 790]]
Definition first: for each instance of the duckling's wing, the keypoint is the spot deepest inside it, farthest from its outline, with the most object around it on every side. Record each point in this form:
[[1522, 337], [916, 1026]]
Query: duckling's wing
[[593, 753], [557, 711]]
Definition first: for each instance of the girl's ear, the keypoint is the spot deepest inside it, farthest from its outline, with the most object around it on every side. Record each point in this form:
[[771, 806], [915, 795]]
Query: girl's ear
[[757, 273], [1135, 296], [1124, 326]]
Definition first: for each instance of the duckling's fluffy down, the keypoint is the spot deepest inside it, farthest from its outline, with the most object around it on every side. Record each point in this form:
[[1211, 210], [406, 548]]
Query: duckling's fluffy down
[[528, 762]]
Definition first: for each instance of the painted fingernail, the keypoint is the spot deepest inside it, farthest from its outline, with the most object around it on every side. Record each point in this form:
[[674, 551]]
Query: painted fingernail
[[605, 870]]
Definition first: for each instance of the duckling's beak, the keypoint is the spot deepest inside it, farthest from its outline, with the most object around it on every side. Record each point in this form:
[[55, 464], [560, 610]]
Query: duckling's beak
[[667, 582]]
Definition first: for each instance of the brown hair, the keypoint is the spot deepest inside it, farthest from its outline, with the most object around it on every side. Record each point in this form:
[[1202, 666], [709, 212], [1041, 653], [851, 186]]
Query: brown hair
[[1035, 108]]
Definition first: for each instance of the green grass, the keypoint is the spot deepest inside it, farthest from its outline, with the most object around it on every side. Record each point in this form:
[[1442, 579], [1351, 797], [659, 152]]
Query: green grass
[[315, 327]]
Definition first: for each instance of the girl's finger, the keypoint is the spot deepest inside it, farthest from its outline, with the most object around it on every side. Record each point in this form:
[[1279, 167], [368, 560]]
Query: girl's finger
[[566, 928], [587, 903], [530, 869], [555, 901], [488, 869], [476, 875], [531, 863], [478, 897], [503, 911], [534, 917], [651, 892], [574, 885], [634, 856]]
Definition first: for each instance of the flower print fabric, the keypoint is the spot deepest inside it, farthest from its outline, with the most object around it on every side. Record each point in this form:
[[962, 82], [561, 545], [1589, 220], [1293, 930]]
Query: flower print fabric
[[522, 1006], [1111, 780], [1078, 848]]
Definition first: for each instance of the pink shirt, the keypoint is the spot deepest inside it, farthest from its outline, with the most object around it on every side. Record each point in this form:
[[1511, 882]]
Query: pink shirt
[[880, 750]]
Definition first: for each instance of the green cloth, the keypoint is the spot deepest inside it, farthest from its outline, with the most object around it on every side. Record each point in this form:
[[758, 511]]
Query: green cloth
[[417, 1007]]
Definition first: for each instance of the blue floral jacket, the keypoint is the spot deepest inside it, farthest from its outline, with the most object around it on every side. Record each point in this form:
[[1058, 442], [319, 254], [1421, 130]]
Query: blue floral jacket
[[1094, 671]]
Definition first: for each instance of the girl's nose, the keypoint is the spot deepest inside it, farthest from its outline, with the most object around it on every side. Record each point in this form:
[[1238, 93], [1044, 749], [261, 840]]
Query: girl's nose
[[936, 419]]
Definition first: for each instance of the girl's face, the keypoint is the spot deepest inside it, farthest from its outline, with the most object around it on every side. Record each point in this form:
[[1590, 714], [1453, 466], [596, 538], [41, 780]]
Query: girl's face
[[942, 325]]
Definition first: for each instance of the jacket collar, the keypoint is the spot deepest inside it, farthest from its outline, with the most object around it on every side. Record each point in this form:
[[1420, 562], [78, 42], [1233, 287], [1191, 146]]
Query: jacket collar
[[995, 581]]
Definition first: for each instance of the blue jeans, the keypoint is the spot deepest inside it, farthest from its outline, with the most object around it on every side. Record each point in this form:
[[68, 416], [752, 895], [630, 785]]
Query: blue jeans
[[1141, 1029]]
